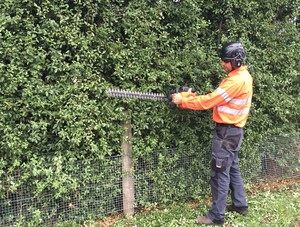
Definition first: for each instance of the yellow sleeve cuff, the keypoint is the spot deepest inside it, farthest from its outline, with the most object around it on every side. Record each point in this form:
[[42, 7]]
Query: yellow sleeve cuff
[[185, 99]]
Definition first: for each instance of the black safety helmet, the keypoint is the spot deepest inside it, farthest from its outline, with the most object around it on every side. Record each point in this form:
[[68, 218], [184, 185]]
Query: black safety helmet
[[233, 52]]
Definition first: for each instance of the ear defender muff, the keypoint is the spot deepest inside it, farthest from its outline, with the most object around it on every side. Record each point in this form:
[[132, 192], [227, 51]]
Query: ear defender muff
[[237, 62]]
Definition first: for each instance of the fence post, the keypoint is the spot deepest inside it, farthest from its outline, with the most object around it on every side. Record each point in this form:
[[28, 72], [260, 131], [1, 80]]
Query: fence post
[[127, 167]]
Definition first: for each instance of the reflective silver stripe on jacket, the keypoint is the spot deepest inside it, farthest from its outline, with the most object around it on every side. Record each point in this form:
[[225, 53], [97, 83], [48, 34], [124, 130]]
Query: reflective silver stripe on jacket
[[233, 111], [227, 98], [223, 93], [241, 101]]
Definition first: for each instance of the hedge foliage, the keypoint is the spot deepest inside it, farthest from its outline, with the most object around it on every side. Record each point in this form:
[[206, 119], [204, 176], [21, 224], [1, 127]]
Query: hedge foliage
[[57, 59]]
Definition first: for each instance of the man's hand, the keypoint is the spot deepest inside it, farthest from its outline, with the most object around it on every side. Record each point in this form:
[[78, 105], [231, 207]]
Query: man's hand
[[177, 98]]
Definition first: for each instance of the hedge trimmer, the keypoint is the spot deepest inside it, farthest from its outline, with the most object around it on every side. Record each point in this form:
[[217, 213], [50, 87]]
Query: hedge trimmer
[[120, 93], [136, 94]]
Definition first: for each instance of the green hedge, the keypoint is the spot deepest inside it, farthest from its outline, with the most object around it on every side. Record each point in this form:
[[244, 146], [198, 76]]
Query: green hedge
[[57, 58]]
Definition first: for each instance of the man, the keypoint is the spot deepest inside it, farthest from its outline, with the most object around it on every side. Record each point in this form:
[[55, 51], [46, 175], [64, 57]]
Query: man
[[231, 103]]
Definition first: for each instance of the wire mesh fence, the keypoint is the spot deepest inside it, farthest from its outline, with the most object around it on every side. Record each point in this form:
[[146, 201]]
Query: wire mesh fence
[[280, 158], [98, 189]]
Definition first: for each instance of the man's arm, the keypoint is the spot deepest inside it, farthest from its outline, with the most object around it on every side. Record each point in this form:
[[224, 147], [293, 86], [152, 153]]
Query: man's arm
[[227, 90]]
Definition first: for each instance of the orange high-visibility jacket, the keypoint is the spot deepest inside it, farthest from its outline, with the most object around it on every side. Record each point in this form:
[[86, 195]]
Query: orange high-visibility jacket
[[231, 101]]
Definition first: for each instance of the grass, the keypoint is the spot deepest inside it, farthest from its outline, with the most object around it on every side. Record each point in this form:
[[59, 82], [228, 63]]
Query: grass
[[276, 204]]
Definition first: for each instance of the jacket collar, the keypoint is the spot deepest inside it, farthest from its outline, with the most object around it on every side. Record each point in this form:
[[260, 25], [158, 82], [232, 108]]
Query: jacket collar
[[239, 69]]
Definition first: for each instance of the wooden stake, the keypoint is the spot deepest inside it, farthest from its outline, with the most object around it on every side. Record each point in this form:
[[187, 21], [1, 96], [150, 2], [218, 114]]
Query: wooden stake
[[127, 168]]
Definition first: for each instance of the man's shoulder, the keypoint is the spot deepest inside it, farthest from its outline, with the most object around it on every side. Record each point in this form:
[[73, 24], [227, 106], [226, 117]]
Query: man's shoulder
[[236, 80]]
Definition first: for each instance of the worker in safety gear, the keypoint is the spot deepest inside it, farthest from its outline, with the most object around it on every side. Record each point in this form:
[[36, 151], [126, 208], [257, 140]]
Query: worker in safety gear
[[231, 103]]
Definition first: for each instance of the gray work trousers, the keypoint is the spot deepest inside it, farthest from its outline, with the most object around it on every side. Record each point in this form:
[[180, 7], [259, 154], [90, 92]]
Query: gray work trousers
[[225, 171]]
